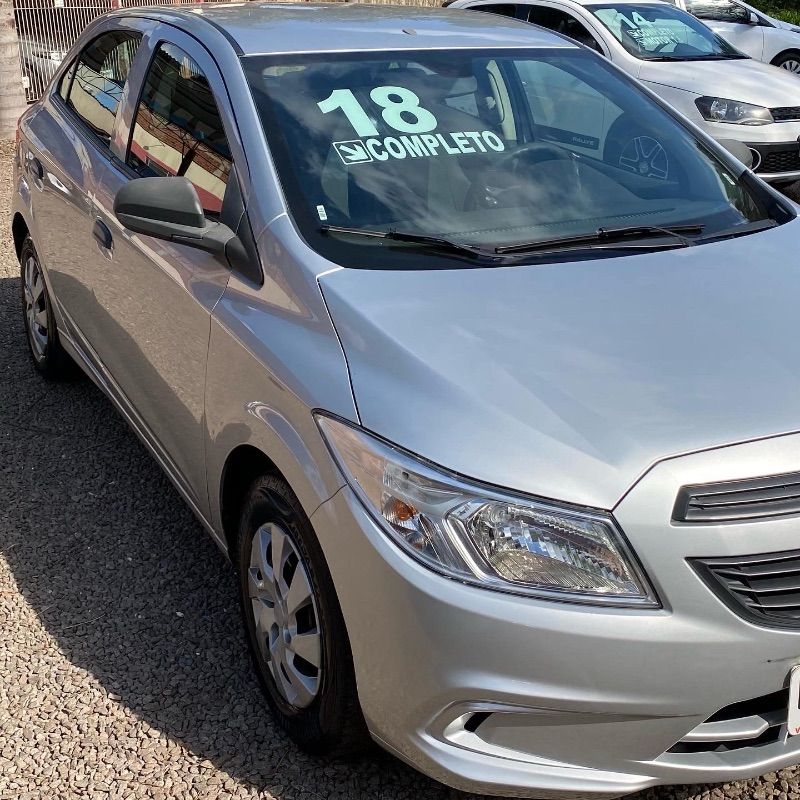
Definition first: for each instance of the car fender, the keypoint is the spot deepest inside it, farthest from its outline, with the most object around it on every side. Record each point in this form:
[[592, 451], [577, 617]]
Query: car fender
[[274, 357]]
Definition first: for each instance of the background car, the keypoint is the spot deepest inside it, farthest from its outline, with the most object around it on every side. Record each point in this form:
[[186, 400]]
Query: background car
[[752, 31], [41, 56], [728, 94]]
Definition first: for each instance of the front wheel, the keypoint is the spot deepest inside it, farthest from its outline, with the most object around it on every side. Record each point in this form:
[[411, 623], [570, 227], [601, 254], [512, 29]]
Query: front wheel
[[294, 625], [789, 61]]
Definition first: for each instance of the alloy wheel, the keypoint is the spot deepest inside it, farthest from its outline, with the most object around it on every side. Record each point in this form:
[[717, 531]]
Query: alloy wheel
[[645, 156], [792, 64], [35, 305], [285, 613]]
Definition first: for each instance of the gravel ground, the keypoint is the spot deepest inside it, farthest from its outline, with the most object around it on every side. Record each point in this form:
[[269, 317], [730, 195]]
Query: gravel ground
[[123, 672]]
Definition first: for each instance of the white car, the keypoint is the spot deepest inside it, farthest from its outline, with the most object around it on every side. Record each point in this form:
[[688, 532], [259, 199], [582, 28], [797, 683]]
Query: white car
[[752, 31], [723, 91]]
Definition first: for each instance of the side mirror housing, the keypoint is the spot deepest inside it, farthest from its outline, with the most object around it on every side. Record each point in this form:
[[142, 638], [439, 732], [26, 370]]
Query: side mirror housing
[[738, 149], [753, 18], [169, 208]]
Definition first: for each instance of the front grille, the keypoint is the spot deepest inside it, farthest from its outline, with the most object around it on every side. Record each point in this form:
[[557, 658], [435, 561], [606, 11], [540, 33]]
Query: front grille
[[732, 501], [779, 160], [764, 589], [786, 113], [751, 723]]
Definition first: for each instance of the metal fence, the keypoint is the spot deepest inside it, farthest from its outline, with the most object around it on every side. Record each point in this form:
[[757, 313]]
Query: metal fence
[[48, 28]]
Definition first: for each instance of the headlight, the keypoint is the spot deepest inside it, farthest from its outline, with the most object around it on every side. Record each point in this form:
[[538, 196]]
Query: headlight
[[479, 535], [718, 109]]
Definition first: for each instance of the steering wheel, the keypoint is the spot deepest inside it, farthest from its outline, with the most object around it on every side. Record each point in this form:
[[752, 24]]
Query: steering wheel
[[485, 194]]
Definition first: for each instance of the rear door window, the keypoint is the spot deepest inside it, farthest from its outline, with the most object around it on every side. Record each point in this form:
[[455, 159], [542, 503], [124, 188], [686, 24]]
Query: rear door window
[[178, 129], [560, 21], [101, 73], [504, 9]]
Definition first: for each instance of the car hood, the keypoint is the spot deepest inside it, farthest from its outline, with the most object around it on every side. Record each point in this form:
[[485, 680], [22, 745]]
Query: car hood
[[745, 80], [570, 380]]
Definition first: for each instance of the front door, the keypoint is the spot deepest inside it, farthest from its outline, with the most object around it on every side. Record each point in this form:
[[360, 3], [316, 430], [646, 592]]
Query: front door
[[74, 132], [155, 297], [732, 22]]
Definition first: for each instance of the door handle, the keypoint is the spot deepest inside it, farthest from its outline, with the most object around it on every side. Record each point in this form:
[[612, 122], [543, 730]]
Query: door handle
[[35, 168], [102, 234]]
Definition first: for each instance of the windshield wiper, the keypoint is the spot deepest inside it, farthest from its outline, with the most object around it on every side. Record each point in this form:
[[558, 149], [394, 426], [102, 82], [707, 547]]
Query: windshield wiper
[[438, 242], [708, 57], [603, 236]]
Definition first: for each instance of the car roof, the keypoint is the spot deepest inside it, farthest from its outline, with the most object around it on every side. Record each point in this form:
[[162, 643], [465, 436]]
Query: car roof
[[585, 3], [274, 28]]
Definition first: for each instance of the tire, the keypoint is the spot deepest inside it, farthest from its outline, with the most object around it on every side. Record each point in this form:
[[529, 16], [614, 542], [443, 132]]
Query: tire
[[49, 357], [790, 60], [631, 147], [316, 704]]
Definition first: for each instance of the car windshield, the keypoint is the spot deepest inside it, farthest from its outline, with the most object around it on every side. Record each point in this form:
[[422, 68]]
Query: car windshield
[[657, 32], [462, 154]]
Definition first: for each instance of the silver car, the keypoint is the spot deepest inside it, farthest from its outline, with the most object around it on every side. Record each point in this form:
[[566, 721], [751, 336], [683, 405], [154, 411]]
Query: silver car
[[499, 428]]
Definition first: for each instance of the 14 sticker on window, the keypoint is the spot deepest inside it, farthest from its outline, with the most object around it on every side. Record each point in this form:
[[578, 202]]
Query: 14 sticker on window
[[416, 127]]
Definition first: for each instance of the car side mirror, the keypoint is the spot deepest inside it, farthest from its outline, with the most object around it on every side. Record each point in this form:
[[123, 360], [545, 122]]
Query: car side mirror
[[739, 150], [169, 208], [752, 18]]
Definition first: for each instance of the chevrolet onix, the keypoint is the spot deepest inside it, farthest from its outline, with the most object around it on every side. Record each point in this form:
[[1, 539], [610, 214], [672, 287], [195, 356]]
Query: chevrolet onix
[[496, 416]]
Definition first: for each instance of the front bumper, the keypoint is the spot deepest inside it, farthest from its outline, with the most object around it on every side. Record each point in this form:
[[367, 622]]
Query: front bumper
[[515, 696], [776, 147]]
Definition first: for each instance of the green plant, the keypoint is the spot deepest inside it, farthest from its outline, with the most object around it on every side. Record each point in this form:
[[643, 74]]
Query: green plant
[[788, 10]]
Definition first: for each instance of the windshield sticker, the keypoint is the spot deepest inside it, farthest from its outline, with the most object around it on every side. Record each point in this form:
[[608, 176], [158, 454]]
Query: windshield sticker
[[321, 213], [425, 145], [653, 37], [401, 110]]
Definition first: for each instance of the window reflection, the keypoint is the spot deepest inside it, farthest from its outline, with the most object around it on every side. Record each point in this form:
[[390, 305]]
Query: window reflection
[[178, 130]]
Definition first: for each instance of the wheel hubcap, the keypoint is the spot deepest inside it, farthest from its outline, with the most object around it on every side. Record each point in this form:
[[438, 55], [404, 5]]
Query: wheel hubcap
[[793, 65], [35, 305], [645, 156], [285, 615]]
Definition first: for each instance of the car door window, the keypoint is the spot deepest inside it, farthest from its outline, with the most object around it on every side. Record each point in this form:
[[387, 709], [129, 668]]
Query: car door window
[[504, 9], [560, 21], [719, 11], [100, 75], [178, 129]]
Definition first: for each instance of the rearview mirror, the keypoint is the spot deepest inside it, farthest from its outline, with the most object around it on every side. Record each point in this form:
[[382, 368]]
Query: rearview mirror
[[738, 149], [169, 208]]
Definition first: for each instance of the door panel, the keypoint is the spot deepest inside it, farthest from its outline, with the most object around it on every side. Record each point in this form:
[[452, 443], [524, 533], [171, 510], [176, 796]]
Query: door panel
[[70, 135], [154, 310], [747, 38], [730, 20], [155, 298]]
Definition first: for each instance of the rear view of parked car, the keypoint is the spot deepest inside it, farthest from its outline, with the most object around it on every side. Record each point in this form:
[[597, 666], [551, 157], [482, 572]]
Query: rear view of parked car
[[496, 421]]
